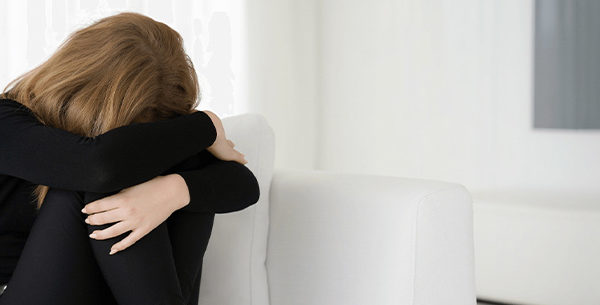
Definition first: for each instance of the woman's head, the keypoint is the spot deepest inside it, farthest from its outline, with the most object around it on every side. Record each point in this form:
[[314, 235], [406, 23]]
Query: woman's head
[[121, 69]]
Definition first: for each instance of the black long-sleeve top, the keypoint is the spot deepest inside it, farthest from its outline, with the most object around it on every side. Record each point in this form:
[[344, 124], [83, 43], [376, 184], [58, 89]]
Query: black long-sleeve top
[[32, 153]]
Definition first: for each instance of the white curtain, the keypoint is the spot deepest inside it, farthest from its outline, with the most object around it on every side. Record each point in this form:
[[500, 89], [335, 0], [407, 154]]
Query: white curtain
[[213, 33]]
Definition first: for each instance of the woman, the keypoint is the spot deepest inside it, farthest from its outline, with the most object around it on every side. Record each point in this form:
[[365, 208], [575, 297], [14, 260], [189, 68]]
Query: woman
[[104, 140]]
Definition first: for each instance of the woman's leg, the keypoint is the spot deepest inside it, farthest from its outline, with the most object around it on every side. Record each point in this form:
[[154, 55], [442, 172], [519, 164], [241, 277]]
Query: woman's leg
[[189, 233], [163, 267], [144, 273], [57, 265]]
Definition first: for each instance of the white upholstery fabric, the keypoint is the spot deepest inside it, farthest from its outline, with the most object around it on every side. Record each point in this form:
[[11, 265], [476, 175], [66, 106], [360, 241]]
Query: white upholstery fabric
[[357, 239], [338, 239], [233, 271], [537, 247]]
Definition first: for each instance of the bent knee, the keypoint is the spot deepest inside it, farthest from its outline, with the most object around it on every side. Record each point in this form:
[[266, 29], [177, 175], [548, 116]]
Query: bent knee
[[63, 199]]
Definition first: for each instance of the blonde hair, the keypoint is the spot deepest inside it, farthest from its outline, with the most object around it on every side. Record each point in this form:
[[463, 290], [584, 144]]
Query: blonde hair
[[121, 69]]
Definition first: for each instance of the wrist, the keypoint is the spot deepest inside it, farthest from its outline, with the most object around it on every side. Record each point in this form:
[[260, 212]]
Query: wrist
[[180, 192]]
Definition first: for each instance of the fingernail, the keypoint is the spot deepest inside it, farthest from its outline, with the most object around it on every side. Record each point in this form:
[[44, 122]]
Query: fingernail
[[83, 210], [112, 251], [87, 220], [93, 235]]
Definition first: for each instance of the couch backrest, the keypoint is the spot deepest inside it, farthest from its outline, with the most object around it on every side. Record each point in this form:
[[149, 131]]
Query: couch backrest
[[234, 271]]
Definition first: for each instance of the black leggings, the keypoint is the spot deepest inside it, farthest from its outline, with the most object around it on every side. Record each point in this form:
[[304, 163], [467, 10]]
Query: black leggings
[[62, 265]]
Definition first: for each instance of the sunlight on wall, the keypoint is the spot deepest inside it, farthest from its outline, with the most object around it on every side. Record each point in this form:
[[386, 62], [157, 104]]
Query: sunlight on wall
[[212, 32]]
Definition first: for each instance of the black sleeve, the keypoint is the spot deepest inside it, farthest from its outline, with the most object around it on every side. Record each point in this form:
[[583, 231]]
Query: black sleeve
[[117, 159], [217, 186]]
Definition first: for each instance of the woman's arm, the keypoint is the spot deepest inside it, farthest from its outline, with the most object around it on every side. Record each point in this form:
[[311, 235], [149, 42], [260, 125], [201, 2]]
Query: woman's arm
[[219, 186], [202, 183], [119, 158]]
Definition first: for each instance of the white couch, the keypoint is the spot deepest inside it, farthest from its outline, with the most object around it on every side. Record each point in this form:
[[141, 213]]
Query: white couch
[[327, 238]]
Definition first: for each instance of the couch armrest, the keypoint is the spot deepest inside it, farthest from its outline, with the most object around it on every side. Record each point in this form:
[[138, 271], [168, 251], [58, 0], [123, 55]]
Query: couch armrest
[[338, 238]]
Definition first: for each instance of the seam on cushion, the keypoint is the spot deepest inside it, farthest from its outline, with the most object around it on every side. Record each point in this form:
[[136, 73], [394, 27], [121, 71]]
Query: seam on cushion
[[250, 265], [417, 214], [414, 258], [268, 130], [259, 163]]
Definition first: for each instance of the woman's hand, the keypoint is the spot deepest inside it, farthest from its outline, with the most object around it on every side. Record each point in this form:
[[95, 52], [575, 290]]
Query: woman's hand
[[222, 148], [138, 209]]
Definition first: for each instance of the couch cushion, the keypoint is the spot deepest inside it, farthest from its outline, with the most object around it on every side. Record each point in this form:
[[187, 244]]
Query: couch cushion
[[234, 270]]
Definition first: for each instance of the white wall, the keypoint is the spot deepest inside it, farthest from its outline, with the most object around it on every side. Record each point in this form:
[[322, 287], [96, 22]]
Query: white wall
[[441, 90], [282, 86]]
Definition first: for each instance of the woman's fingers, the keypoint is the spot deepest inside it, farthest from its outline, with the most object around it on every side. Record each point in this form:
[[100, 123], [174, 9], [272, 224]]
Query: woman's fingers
[[112, 231], [101, 205], [231, 143], [109, 216], [239, 157], [131, 239]]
